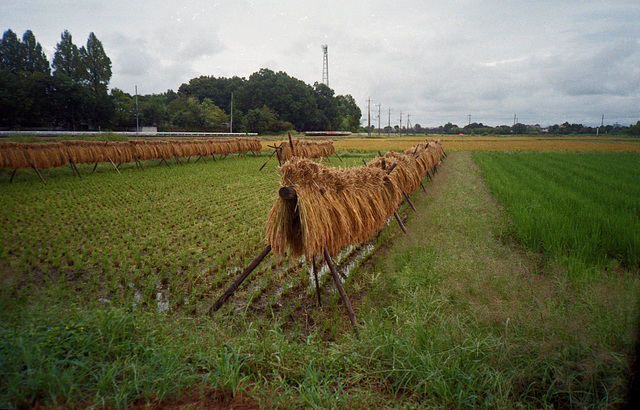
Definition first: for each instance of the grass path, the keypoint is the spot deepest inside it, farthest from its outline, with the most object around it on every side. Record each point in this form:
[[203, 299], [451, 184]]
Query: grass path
[[478, 321]]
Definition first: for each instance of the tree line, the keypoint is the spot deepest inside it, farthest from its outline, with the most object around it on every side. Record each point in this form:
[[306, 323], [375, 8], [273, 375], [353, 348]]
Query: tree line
[[73, 97], [515, 129], [72, 93]]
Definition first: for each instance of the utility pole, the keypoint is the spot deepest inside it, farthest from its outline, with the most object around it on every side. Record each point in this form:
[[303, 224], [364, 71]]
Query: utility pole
[[601, 125], [137, 116], [379, 118], [369, 116], [389, 125], [469, 118], [409, 123], [400, 129]]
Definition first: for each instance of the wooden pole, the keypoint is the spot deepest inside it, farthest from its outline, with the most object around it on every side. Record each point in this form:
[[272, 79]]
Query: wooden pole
[[364, 162], [214, 157], [395, 213], [391, 168], [270, 156], [240, 279], [13, 174], [73, 165], [315, 273], [338, 156], [409, 200], [38, 172], [293, 152], [343, 294], [162, 159], [94, 168], [73, 170], [139, 163], [423, 188], [114, 165], [177, 159], [287, 192]]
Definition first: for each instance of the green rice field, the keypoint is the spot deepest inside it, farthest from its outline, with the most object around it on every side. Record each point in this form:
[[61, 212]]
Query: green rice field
[[583, 208]]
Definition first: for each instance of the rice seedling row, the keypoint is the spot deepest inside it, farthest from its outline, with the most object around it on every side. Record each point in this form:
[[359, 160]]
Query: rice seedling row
[[582, 206], [187, 229], [172, 225]]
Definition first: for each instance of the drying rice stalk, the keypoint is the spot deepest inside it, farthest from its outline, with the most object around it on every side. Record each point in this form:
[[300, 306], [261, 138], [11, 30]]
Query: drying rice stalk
[[332, 207], [406, 175], [321, 210], [305, 149], [50, 155]]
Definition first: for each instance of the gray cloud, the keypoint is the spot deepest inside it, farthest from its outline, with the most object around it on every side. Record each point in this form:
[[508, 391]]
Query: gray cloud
[[547, 61]]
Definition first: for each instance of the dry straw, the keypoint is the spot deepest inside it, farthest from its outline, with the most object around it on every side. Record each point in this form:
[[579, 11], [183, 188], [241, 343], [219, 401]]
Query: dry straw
[[305, 149], [335, 207], [49, 155], [405, 174]]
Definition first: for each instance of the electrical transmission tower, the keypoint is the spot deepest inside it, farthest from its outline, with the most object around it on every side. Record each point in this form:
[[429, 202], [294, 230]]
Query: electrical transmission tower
[[325, 65]]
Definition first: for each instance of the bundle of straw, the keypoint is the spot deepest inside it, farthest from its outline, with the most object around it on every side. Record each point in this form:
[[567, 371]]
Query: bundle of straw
[[44, 156], [12, 155], [334, 207], [305, 149], [405, 175], [427, 156], [48, 155]]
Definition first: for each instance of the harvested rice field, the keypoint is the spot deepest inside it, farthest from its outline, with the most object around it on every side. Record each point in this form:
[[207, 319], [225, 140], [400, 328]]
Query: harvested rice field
[[496, 143], [107, 284]]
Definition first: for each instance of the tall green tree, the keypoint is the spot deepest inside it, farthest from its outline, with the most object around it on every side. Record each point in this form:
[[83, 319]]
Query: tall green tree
[[35, 60], [95, 68], [71, 99], [25, 82], [124, 113], [349, 114], [97, 65], [217, 90], [66, 60], [11, 53]]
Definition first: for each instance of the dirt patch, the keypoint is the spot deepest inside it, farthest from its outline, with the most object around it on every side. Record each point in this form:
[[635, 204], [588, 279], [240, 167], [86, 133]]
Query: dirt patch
[[209, 399]]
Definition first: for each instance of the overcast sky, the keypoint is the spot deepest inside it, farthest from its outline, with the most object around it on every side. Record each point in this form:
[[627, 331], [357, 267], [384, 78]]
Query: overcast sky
[[546, 61]]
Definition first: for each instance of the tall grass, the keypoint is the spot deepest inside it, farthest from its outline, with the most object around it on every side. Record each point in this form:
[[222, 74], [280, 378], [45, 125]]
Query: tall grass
[[584, 208]]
